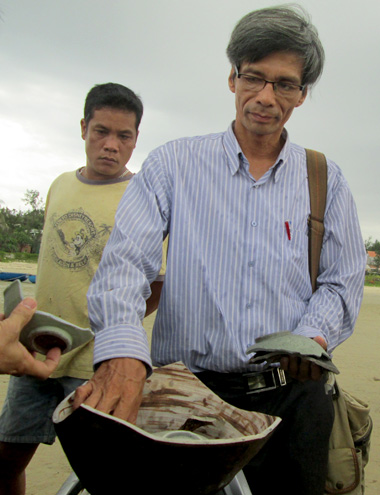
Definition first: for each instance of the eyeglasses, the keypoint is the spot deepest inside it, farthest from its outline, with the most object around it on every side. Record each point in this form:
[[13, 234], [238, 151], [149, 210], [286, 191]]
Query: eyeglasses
[[282, 88]]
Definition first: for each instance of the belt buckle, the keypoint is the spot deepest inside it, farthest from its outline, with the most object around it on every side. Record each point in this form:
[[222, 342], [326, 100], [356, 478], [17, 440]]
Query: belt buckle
[[265, 380]]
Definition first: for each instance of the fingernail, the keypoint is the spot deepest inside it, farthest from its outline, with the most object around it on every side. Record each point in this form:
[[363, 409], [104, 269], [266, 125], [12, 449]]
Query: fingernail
[[29, 303]]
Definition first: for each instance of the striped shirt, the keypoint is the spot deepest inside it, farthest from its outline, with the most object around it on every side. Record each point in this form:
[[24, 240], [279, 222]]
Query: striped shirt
[[234, 270]]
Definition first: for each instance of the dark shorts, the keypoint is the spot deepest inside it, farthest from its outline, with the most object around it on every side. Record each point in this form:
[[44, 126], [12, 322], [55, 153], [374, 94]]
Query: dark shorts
[[29, 405]]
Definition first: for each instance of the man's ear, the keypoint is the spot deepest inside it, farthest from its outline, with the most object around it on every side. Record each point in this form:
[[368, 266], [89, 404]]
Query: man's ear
[[83, 128], [232, 80], [302, 97]]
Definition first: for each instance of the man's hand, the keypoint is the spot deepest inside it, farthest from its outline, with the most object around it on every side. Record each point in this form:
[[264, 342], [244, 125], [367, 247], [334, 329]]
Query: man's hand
[[15, 359], [302, 369], [116, 388]]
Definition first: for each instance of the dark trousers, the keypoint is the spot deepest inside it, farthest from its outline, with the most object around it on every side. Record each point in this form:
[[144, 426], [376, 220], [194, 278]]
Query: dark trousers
[[294, 460]]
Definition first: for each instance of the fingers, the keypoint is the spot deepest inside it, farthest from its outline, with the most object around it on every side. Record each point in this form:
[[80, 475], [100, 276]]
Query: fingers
[[284, 363], [321, 341], [21, 314], [316, 372], [115, 388], [127, 410], [15, 358], [103, 400], [92, 394], [301, 369], [52, 359], [40, 369], [81, 395]]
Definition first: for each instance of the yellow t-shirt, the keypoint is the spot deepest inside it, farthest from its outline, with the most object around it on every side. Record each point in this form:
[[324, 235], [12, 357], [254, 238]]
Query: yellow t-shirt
[[79, 218]]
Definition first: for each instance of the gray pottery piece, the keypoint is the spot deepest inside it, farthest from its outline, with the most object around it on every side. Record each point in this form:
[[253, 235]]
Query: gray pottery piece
[[193, 441], [45, 331], [270, 348]]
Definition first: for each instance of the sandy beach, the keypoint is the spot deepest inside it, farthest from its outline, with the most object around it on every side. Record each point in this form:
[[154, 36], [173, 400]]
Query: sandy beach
[[357, 359]]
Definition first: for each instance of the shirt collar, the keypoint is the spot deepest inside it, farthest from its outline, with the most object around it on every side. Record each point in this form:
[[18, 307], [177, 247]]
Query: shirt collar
[[235, 154], [127, 175]]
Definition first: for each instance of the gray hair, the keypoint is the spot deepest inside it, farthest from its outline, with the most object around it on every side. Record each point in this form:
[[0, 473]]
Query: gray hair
[[278, 29]]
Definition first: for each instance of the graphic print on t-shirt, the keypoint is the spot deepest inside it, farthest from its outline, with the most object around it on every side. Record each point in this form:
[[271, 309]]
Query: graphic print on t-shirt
[[77, 239]]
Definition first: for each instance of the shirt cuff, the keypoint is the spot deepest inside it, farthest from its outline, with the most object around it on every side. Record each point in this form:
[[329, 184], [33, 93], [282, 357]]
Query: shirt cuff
[[121, 342]]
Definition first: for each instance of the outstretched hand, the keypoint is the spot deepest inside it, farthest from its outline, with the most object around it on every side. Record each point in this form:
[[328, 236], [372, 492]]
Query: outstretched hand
[[15, 359], [302, 369], [116, 388]]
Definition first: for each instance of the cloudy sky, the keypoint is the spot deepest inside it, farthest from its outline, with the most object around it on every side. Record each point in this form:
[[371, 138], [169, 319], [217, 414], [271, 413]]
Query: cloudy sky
[[172, 53]]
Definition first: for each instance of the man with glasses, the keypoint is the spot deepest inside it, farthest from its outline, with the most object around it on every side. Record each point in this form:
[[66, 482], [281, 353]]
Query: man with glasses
[[236, 206], [282, 88]]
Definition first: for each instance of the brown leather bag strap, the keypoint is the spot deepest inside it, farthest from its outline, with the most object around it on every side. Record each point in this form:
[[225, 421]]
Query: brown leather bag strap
[[317, 177]]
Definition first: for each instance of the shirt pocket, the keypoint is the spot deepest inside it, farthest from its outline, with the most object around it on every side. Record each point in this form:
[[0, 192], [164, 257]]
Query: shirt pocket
[[296, 270], [298, 246]]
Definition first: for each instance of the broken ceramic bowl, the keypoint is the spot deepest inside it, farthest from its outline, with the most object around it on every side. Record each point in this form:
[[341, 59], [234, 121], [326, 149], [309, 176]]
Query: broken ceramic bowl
[[193, 441], [270, 348], [45, 331]]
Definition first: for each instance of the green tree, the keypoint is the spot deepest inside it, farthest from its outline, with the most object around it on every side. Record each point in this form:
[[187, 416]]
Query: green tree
[[33, 199], [376, 263], [20, 228], [371, 245]]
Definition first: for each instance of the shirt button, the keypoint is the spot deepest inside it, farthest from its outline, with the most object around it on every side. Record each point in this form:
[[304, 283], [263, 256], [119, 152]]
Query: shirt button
[[253, 223], [251, 263], [248, 306]]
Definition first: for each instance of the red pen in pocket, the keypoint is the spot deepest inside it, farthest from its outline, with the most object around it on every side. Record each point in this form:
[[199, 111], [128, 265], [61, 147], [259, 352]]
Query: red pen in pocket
[[287, 227]]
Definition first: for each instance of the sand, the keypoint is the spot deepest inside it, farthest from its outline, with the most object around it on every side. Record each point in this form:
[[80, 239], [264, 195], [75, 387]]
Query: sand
[[357, 360]]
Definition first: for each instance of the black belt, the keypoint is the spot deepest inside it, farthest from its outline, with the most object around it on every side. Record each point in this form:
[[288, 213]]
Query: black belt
[[248, 383]]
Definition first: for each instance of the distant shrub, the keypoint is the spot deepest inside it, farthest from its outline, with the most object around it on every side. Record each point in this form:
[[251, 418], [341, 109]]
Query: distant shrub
[[9, 257], [372, 280]]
